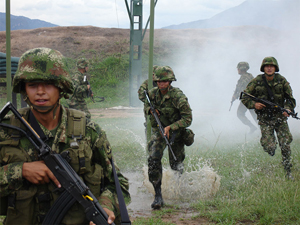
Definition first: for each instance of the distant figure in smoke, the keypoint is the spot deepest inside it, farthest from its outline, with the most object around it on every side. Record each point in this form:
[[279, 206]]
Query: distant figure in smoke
[[275, 88], [245, 78], [81, 84], [175, 114]]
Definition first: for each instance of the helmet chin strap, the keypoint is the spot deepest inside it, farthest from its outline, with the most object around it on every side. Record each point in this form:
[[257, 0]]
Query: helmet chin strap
[[269, 75], [41, 109]]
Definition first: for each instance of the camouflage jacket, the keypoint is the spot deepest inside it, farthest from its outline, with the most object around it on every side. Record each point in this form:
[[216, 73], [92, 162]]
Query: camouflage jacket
[[241, 85], [80, 86], [143, 87], [281, 90], [95, 139], [175, 111]]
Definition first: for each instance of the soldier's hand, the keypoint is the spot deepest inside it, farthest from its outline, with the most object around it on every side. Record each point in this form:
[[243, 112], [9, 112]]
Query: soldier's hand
[[38, 173], [259, 106], [156, 112], [286, 114], [167, 131]]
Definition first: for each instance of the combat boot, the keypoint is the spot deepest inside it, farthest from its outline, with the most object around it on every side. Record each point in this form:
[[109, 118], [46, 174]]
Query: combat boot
[[288, 174], [158, 200]]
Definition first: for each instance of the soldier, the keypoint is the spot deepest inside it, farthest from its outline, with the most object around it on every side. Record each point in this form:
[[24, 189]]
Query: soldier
[[81, 86], [42, 78], [175, 114], [144, 86], [245, 78], [273, 87]]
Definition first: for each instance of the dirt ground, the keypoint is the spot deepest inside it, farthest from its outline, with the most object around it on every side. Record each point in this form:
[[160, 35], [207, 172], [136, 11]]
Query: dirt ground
[[94, 41]]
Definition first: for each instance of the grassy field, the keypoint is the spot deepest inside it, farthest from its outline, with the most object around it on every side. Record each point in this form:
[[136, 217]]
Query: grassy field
[[253, 188]]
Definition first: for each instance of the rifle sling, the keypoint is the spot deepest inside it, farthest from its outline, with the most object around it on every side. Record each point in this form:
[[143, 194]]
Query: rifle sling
[[123, 210], [270, 93], [35, 125]]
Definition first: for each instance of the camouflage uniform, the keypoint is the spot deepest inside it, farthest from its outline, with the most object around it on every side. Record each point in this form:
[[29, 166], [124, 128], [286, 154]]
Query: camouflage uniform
[[31, 202], [273, 120], [240, 86], [175, 112], [77, 101]]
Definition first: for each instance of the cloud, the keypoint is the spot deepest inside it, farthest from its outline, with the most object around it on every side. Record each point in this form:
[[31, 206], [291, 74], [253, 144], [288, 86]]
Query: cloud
[[113, 13]]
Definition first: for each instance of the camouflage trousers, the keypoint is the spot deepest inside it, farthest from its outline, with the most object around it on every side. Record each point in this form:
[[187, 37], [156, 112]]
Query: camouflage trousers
[[241, 114], [156, 147], [284, 136], [79, 105]]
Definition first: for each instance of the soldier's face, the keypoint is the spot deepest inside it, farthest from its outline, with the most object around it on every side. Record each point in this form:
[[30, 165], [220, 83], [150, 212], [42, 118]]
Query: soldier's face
[[42, 94], [269, 69], [163, 85]]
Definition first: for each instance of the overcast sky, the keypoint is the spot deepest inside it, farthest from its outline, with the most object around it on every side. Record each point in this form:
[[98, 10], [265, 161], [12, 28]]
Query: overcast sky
[[113, 13]]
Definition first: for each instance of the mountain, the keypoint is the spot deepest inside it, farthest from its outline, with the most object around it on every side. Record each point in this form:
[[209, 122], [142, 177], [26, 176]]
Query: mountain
[[276, 14], [21, 22]]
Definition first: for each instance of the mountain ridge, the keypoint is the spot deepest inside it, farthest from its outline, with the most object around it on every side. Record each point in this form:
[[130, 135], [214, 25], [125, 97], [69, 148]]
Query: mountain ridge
[[279, 14], [22, 22]]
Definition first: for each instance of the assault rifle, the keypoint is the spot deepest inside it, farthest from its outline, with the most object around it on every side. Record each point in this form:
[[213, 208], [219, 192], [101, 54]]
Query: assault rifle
[[160, 126], [91, 95], [269, 104], [73, 188], [231, 104]]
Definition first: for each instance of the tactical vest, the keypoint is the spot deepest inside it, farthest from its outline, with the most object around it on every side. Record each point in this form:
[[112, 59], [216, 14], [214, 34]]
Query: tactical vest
[[261, 91], [30, 203]]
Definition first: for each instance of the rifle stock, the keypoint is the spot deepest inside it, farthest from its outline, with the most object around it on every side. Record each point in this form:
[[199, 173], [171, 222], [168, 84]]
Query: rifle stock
[[269, 104], [160, 126], [65, 174]]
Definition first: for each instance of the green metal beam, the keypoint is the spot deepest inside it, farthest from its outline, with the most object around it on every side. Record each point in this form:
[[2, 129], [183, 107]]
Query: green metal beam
[[150, 69], [8, 53]]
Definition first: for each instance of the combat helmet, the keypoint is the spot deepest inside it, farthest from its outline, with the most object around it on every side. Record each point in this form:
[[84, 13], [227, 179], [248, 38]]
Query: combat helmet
[[82, 63], [243, 66], [269, 61], [164, 73], [43, 64]]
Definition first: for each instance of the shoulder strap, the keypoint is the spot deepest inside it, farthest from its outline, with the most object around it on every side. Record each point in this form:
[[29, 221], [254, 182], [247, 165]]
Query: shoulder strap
[[76, 123], [270, 93], [123, 210]]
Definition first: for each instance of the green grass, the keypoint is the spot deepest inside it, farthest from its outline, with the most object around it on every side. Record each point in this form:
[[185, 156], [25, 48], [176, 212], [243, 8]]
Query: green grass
[[253, 184]]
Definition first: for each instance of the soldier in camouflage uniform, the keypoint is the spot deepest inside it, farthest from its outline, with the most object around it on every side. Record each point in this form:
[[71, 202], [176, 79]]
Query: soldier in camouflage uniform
[[175, 114], [245, 78], [144, 86], [42, 78], [81, 88], [273, 87]]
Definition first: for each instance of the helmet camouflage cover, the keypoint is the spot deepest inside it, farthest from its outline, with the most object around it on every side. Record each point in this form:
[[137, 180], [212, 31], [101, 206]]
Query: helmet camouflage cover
[[269, 61], [243, 65], [43, 64], [82, 63], [164, 73]]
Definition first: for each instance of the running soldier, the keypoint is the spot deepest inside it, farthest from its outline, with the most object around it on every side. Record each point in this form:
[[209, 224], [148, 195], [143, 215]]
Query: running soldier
[[275, 88], [175, 115], [245, 78]]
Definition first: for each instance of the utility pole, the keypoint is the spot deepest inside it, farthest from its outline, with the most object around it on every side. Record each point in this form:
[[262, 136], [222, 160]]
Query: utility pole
[[150, 69], [135, 13], [8, 53]]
